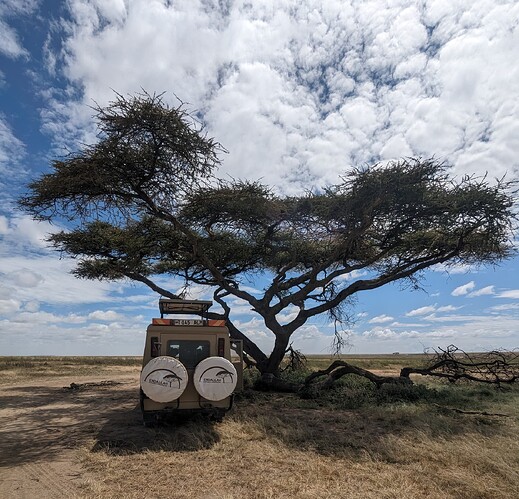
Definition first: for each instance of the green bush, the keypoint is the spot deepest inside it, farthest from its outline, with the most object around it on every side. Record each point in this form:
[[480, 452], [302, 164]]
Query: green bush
[[351, 392], [250, 377], [390, 392]]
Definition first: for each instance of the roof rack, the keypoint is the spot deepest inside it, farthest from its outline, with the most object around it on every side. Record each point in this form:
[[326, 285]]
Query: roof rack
[[172, 306]]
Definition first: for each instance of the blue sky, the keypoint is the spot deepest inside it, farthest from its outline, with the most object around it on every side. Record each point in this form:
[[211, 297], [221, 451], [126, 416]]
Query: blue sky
[[298, 92]]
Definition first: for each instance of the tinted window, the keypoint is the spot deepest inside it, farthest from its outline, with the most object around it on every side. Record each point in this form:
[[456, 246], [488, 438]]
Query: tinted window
[[189, 352]]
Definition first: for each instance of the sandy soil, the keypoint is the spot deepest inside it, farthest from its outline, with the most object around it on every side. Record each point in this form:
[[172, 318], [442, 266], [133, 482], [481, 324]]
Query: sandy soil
[[44, 424]]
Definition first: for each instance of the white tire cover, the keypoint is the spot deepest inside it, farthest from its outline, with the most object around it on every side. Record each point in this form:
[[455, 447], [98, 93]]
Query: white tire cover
[[164, 379], [215, 378]]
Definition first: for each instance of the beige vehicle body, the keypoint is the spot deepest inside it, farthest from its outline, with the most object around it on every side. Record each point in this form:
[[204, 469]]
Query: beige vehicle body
[[189, 341]]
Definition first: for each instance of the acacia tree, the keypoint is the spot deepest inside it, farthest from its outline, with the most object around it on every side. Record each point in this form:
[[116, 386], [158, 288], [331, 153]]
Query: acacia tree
[[144, 202]]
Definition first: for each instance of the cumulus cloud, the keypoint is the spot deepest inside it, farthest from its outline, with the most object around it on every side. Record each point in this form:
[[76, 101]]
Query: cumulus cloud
[[464, 289], [105, 315], [454, 268], [30, 271], [391, 334], [310, 88], [508, 306], [447, 308], [73, 339], [486, 291], [421, 311], [10, 44], [12, 150], [8, 306], [380, 319], [512, 293], [24, 278], [472, 333]]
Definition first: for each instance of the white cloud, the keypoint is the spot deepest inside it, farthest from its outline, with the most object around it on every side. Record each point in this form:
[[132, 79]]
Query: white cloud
[[32, 306], [488, 290], [288, 315], [503, 308], [10, 45], [454, 268], [311, 88], [4, 225], [12, 150], [391, 334], [447, 308], [78, 339], [30, 271], [24, 278], [9, 306], [421, 311], [464, 289], [108, 315], [40, 317], [512, 293], [471, 333], [380, 319]]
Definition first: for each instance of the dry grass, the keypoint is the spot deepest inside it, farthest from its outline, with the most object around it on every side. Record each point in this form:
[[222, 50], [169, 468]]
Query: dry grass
[[287, 453], [23, 368], [278, 446], [281, 446]]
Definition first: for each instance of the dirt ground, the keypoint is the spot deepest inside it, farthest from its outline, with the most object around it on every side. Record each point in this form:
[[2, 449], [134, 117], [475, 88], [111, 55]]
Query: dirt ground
[[44, 424]]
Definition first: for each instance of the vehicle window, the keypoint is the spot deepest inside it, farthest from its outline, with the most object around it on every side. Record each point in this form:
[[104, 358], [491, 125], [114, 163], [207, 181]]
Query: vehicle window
[[189, 352]]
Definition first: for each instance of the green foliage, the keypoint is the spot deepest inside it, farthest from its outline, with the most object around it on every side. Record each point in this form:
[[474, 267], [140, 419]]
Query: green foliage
[[352, 391], [294, 376], [250, 377]]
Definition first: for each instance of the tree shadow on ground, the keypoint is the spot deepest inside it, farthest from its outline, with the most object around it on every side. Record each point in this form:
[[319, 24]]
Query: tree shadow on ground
[[123, 433], [366, 430], [41, 422]]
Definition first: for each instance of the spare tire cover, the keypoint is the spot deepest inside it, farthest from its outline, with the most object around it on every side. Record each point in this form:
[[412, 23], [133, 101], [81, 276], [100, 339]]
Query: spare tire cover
[[215, 378], [164, 379]]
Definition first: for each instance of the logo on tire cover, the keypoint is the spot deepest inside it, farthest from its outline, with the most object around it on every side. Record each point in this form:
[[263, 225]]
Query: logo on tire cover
[[220, 376], [166, 380]]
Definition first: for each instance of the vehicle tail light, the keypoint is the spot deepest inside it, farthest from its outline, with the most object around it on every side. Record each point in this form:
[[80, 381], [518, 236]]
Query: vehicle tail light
[[221, 347]]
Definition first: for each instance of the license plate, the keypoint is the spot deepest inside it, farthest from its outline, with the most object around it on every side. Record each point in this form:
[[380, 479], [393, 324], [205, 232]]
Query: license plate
[[188, 322]]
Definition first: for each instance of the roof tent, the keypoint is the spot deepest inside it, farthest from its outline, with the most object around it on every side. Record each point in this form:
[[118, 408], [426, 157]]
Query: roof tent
[[171, 306]]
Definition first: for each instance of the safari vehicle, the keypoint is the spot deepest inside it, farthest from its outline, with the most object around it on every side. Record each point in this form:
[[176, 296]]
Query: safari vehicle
[[187, 364]]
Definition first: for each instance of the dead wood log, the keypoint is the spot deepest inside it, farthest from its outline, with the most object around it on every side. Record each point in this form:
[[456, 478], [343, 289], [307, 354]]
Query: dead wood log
[[340, 368], [452, 363]]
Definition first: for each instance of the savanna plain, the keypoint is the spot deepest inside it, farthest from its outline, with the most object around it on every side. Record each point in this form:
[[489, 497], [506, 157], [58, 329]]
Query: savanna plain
[[71, 427]]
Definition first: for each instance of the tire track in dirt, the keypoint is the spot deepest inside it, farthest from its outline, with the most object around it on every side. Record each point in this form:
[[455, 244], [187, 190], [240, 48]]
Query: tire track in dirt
[[42, 428], [49, 480]]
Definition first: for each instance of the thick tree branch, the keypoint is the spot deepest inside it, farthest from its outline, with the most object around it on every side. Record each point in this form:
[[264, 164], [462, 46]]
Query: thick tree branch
[[339, 368]]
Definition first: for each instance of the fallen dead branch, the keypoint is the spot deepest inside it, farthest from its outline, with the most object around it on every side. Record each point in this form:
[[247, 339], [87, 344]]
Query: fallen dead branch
[[451, 363], [340, 368], [475, 413], [86, 386], [495, 367]]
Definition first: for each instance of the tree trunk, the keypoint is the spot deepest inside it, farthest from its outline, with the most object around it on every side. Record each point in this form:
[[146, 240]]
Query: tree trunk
[[271, 365], [270, 369]]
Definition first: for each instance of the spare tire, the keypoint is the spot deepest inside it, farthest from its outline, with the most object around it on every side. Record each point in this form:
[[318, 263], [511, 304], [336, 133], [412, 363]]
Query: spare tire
[[164, 379], [215, 378]]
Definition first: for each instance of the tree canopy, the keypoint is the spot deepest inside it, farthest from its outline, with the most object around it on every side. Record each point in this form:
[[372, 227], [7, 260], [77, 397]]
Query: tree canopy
[[144, 201]]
